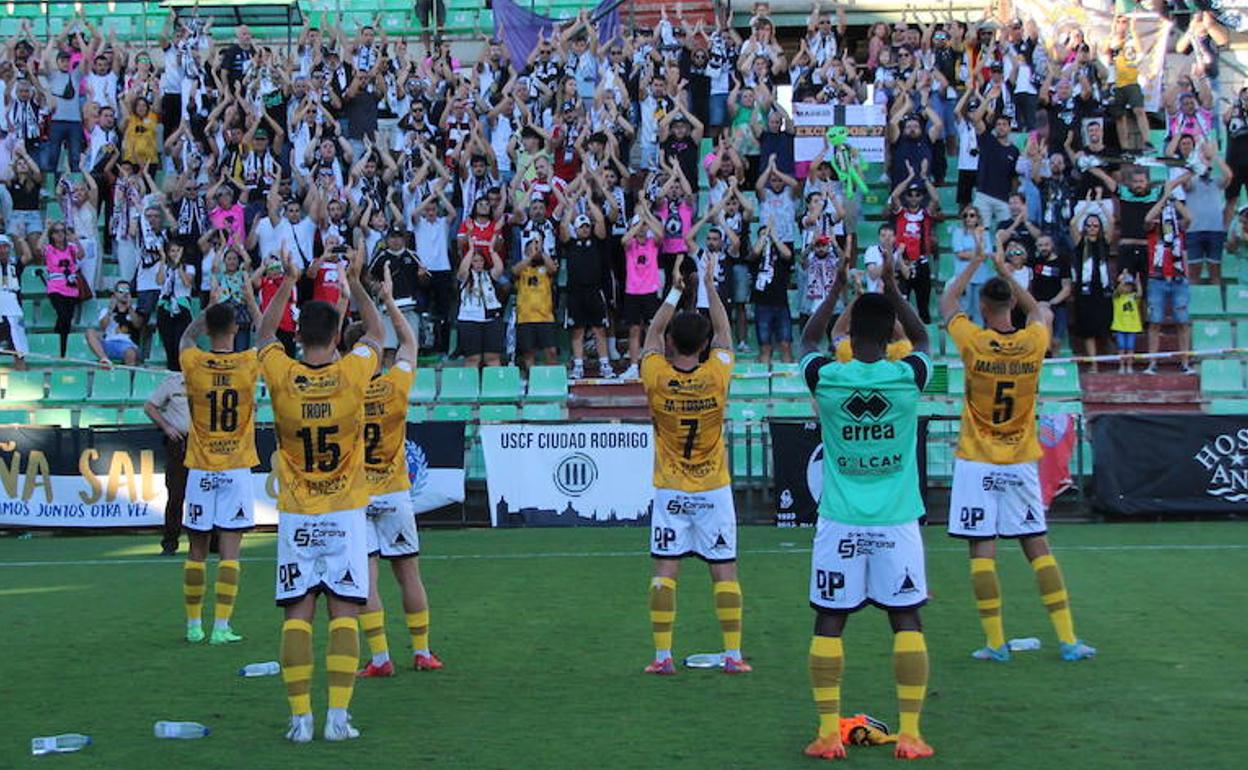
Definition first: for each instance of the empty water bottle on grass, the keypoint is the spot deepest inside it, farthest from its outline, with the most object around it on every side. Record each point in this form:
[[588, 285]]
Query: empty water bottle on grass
[[1024, 644], [184, 730], [268, 668], [59, 744]]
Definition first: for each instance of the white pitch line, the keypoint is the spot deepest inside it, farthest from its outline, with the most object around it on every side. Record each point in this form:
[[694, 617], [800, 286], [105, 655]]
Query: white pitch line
[[177, 561]]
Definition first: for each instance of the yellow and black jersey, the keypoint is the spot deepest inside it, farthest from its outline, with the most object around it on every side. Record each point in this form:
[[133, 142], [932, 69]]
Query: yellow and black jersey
[[318, 414], [221, 395], [385, 430], [896, 350], [688, 412], [1002, 380]]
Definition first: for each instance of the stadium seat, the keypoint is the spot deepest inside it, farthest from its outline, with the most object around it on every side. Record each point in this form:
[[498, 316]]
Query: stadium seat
[[264, 414], [749, 381], [1060, 407], [417, 413], [501, 384], [799, 408], [1211, 335], [787, 382], [24, 386], [14, 417], [145, 382], [745, 416], [425, 388], [60, 417], [93, 416], [1059, 380], [957, 380], [498, 413], [1228, 406], [44, 347], [68, 387], [451, 413], [135, 416], [548, 383], [748, 458], [112, 386], [1206, 301], [33, 282], [460, 383], [1218, 376], [44, 316], [541, 412], [80, 350], [1237, 300]]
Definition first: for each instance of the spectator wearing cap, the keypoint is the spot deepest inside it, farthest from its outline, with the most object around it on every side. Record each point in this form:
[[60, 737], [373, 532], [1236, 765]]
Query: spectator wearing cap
[[409, 277], [167, 407], [820, 263], [11, 315], [914, 208], [589, 274], [65, 130], [680, 134]]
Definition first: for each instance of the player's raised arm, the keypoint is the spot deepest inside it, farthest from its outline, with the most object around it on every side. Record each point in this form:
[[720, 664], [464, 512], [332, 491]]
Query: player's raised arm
[[272, 316], [193, 331], [721, 327], [816, 330], [409, 346], [911, 324], [1037, 312], [951, 300], [658, 325], [373, 331]]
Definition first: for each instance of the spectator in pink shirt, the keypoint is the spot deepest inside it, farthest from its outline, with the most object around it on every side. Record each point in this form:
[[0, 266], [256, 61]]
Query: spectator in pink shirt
[[642, 281], [228, 215]]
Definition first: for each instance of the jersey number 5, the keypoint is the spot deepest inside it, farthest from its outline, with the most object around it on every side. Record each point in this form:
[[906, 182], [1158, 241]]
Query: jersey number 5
[[324, 456], [1003, 402]]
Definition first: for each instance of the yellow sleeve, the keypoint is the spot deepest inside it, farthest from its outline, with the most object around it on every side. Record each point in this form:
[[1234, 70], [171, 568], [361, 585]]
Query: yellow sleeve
[[190, 358], [962, 331], [403, 375], [274, 363], [653, 368], [898, 350], [359, 365], [844, 351], [1041, 334], [720, 362]]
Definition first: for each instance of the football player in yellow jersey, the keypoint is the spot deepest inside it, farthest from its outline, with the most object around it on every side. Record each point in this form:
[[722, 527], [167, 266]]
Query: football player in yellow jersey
[[390, 520], [996, 484], [898, 349], [693, 511], [220, 452], [318, 410]]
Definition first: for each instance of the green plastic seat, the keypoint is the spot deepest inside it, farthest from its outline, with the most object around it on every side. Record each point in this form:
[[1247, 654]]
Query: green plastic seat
[[112, 386], [135, 416], [1212, 335], [94, 415], [1206, 301], [1237, 300], [1061, 407], [451, 413], [33, 283], [498, 413], [754, 383], [24, 386], [44, 316], [548, 383], [1228, 406], [144, 383], [1059, 380], [787, 382], [747, 460], [425, 386], [745, 416], [1219, 376], [43, 348], [68, 387], [80, 350], [460, 384], [264, 414], [14, 417], [957, 380], [501, 384], [542, 412], [417, 413], [60, 417], [798, 408]]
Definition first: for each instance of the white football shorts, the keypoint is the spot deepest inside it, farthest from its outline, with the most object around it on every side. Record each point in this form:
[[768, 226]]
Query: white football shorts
[[852, 565], [220, 499], [390, 524], [990, 501], [322, 552], [698, 523]]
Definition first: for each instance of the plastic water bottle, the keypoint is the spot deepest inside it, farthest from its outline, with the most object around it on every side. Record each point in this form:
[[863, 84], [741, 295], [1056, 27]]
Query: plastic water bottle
[[1025, 644], [59, 744], [184, 730], [268, 668]]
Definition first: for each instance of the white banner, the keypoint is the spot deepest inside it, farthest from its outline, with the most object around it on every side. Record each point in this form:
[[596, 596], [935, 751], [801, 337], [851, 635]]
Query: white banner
[[812, 120], [568, 475]]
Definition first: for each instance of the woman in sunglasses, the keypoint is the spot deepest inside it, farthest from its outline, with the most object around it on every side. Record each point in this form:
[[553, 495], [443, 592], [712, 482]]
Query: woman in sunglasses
[[61, 255]]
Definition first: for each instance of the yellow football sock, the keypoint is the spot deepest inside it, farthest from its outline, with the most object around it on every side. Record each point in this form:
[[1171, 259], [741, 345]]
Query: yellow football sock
[[340, 660], [662, 611], [193, 589], [227, 590], [988, 600], [910, 669], [1053, 594], [827, 664], [728, 610], [418, 627], [296, 658], [374, 625]]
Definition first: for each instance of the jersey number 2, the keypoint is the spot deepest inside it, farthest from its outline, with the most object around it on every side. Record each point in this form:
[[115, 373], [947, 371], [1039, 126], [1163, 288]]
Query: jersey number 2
[[1003, 402], [372, 439]]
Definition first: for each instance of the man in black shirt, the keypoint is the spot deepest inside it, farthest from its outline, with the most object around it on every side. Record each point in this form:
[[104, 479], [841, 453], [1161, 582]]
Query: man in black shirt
[[589, 269], [1050, 282], [680, 135], [409, 278], [998, 158], [236, 59]]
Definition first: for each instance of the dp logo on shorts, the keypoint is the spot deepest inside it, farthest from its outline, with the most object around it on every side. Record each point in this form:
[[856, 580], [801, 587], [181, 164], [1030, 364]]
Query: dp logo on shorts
[[575, 474]]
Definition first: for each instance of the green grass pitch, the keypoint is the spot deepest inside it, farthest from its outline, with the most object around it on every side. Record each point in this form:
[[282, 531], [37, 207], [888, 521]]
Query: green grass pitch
[[544, 634]]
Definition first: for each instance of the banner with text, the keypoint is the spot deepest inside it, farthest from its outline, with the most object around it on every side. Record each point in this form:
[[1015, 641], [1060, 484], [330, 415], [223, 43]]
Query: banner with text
[[811, 122], [115, 477], [596, 474], [1171, 463], [797, 457]]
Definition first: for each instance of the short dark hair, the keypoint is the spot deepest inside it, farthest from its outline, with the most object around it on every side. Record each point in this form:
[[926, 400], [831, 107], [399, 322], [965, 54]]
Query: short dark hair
[[872, 319], [318, 323], [996, 293], [219, 318], [690, 332]]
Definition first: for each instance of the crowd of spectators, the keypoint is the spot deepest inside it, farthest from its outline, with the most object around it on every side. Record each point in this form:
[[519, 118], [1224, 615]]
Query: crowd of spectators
[[510, 201]]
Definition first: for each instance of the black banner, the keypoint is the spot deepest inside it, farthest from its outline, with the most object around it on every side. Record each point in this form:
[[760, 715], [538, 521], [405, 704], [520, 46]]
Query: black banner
[[797, 460], [1170, 463]]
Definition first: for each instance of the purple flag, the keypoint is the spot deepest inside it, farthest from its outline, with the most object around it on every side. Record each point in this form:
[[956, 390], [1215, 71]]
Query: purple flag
[[518, 27]]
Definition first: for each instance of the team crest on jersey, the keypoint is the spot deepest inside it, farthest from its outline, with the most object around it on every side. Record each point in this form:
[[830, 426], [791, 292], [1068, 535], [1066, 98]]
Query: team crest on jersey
[[309, 383], [220, 364], [870, 405]]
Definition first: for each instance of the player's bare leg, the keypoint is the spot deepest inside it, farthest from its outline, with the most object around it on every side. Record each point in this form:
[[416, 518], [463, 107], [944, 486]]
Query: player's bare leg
[[416, 609], [373, 621], [1052, 588], [910, 667], [987, 589], [229, 544], [663, 614], [728, 609], [827, 666], [296, 660]]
